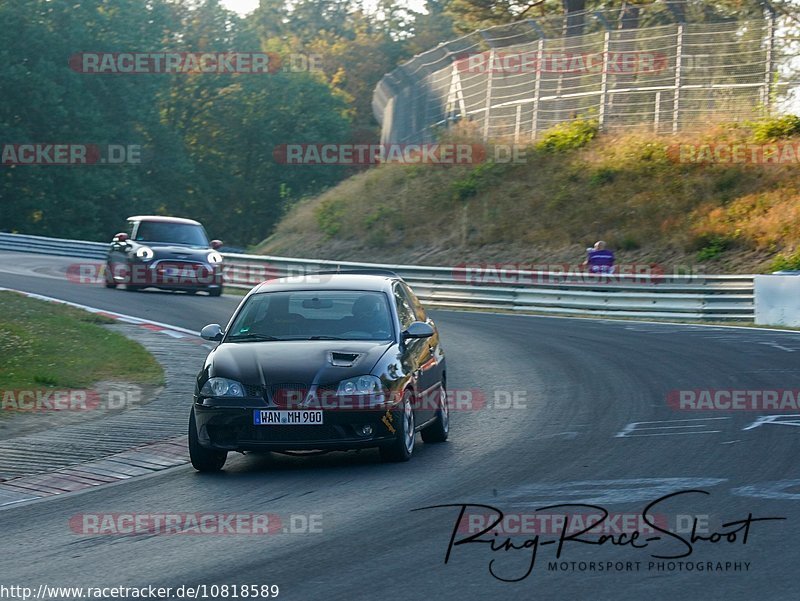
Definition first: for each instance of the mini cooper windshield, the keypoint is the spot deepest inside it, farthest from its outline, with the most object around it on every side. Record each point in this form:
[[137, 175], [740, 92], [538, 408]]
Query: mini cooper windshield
[[175, 233], [313, 315]]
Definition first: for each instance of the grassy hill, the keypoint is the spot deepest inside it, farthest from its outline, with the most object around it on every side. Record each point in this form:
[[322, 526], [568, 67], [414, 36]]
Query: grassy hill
[[575, 186]]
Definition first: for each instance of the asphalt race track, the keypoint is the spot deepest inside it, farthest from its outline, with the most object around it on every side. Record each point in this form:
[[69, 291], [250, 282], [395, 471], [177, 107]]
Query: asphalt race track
[[591, 425]]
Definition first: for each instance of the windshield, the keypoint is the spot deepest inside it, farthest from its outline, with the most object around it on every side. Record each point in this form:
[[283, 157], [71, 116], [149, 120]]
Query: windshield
[[175, 233], [313, 315]]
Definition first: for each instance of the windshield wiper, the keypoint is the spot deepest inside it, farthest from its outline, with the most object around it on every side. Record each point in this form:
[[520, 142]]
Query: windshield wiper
[[252, 337], [324, 338]]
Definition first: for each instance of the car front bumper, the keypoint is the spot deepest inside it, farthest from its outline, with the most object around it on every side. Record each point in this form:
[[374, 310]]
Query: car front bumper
[[170, 275], [233, 429]]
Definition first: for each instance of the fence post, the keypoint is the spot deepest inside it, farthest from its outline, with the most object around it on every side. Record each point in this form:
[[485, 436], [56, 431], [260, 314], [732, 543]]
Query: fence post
[[604, 80], [537, 86], [677, 96], [455, 96], [657, 112], [517, 122], [767, 100], [488, 108], [414, 113]]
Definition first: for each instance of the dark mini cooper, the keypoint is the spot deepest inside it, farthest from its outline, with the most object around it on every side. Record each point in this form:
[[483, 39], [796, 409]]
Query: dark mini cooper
[[170, 253], [321, 362]]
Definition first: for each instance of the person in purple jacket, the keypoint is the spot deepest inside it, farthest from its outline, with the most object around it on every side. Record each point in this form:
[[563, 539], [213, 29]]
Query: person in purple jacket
[[599, 259]]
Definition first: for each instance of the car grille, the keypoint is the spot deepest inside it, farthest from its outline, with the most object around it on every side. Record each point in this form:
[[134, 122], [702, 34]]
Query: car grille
[[254, 391], [293, 434], [185, 272], [282, 395], [287, 394], [226, 434]]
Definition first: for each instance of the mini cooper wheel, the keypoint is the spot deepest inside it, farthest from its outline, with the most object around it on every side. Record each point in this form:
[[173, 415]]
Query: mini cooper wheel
[[438, 430], [109, 277], [402, 447], [203, 459]]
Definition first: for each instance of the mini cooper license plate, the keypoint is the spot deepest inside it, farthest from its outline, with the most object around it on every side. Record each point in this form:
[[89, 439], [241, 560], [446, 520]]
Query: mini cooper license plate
[[172, 272], [296, 417]]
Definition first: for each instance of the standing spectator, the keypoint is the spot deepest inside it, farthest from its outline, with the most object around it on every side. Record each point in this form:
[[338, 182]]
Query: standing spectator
[[599, 259]]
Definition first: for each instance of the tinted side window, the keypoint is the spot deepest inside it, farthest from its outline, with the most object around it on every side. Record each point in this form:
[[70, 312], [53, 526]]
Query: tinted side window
[[405, 309], [419, 310]]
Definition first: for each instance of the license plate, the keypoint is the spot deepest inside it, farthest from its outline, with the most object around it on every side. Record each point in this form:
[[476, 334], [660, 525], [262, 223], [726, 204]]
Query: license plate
[[296, 417], [177, 272]]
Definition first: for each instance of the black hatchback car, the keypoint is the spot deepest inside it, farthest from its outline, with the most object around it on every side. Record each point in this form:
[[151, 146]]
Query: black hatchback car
[[170, 253], [321, 362]]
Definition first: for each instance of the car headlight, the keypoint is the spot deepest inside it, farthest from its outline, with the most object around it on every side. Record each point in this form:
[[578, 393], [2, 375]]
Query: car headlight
[[145, 253], [360, 385], [214, 257], [222, 387]]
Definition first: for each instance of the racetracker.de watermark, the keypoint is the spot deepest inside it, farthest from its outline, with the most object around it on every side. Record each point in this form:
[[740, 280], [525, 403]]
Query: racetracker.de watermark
[[49, 153], [201, 523], [534, 61], [522, 274], [162, 273], [535, 522], [193, 63], [377, 154], [729, 399], [456, 399], [45, 400], [726, 153]]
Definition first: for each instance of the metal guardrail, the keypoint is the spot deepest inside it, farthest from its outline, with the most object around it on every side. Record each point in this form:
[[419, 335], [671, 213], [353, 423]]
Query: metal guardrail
[[691, 297], [61, 247], [685, 297]]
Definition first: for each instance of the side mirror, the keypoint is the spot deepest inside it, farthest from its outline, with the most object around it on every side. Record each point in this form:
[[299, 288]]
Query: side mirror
[[211, 332], [418, 329], [216, 244], [121, 238]]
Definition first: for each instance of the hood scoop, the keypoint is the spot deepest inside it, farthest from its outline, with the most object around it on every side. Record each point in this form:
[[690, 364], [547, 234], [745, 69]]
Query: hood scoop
[[342, 359]]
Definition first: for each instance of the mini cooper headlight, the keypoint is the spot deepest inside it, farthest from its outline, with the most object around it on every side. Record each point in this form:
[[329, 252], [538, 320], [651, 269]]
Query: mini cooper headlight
[[145, 253], [214, 257], [222, 387]]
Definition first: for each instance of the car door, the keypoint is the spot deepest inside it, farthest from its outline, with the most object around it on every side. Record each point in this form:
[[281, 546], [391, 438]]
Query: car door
[[118, 256], [417, 357], [433, 355]]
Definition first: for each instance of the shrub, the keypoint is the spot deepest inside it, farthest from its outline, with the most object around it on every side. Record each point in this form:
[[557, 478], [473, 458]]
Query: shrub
[[603, 175], [712, 247], [569, 135], [469, 185], [776, 128], [628, 243], [330, 215], [786, 262]]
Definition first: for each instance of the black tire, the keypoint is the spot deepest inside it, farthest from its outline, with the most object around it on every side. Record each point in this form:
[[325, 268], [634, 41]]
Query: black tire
[[438, 430], [203, 459], [402, 447], [109, 283], [215, 291]]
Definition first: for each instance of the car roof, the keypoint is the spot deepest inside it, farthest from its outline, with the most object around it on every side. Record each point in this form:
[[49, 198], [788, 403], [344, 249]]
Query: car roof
[[328, 281], [163, 219]]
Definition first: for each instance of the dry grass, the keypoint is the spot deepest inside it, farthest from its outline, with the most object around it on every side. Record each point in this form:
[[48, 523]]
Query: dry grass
[[630, 190]]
